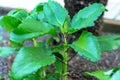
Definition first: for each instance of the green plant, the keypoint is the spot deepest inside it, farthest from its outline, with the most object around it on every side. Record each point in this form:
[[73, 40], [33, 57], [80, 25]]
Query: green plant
[[52, 20], [113, 74]]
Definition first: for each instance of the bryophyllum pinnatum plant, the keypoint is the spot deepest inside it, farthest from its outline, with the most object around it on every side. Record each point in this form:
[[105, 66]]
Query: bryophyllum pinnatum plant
[[52, 20]]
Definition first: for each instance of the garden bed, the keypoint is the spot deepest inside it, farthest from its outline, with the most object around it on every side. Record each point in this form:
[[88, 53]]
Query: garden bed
[[77, 66]]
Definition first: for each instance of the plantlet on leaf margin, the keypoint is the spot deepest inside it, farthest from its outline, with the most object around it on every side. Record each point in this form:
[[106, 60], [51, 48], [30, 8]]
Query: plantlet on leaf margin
[[50, 18]]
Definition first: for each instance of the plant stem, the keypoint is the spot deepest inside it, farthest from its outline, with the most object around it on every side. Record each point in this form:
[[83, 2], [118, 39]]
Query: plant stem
[[65, 67], [64, 77]]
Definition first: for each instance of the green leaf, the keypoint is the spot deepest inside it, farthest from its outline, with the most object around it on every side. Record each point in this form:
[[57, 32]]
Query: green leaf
[[116, 75], [86, 17], [33, 16], [6, 51], [31, 25], [37, 16], [112, 71], [37, 13], [59, 49], [19, 38], [112, 74], [15, 45], [109, 42], [67, 25], [55, 13], [9, 23], [30, 59], [52, 77], [38, 8], [41, 16], [20, 14], [87, 46], [59, 65], [98, 74], [32, 77], [30, 28]]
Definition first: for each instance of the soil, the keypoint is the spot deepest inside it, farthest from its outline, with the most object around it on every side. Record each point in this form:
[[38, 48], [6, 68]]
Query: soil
[[77, 66], [4, 63]]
